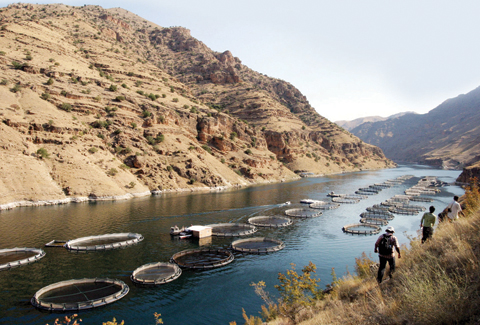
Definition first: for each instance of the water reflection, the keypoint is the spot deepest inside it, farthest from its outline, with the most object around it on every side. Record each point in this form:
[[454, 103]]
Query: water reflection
[[215, 296]]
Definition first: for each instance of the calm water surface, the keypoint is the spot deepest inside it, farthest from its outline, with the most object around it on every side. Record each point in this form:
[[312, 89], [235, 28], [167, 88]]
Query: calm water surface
[[198, 297]]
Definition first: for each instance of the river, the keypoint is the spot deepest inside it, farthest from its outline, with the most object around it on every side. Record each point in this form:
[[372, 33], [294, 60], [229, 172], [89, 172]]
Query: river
[[214, 296]]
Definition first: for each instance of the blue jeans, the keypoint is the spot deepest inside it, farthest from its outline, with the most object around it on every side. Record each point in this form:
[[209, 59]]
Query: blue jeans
[[383, 264]]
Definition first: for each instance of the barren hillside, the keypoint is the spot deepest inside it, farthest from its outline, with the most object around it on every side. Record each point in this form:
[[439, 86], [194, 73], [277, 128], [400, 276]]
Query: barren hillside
[[100, 103]]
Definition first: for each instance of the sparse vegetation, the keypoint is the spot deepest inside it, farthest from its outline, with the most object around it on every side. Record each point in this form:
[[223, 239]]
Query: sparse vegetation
[[43, 153]]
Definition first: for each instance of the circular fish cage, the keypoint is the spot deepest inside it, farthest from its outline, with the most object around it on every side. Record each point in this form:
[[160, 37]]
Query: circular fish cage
[[355, 197], [258, 245], [404, 210], [232, 229], [14, 257], [360, 192], [270, 221], [361, 229], [374, 221], [378, 208], [103, 242], [203, 258], [324, 205], [420, 199], [377, 215], [345, 200], [156, 273], [303, 213], [79, 294], [369, 189]]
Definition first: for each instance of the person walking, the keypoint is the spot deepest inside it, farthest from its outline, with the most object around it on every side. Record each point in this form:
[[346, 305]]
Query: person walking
[[427, 222], [453, 209], [385, 246]]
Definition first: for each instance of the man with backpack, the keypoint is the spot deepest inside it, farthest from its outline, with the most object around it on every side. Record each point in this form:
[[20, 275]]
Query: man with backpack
[[385, 246]]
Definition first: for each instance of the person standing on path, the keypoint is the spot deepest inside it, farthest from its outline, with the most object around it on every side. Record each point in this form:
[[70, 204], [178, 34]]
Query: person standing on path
[[385, 246], [454, 209], [427, 222]]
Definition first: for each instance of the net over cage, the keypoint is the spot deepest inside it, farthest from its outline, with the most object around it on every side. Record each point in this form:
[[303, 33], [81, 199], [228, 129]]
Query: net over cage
[[345, 200], [378, 207], [369, 189], [103, 242], [303, 213], [324, 205], [377, 215], [420, 199], [359, 192], [374, 221], [361, 229], [203, 258], [156, 273], [270, 221], [14, 257], [232, 229], [355, 197], [79, 294], [258, 245]]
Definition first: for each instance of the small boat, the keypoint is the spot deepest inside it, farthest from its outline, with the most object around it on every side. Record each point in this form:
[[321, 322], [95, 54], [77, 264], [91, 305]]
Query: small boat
[[175, 231], [309, 201], [185, 234], [333, 194]]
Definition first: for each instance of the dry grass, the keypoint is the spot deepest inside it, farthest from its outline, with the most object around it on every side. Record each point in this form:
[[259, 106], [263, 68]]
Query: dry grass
[[435, 283]]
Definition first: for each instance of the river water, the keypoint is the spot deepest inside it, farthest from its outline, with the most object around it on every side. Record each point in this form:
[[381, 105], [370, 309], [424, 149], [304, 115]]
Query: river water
[[214, 296]]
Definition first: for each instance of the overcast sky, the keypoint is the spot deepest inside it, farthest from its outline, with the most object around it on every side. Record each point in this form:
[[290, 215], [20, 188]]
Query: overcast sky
[[351, 58]]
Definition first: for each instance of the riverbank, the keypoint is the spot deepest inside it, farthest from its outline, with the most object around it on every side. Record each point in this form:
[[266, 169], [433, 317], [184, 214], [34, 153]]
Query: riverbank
[[435, 283]]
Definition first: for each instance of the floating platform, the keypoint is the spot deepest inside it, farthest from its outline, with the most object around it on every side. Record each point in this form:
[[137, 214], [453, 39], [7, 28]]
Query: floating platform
[[232, 229], [258, 245], [203, 258], [156, 273], [79, 294], [303, 213], [270, 221], [344, 200], [103, 242], [56, 243], [361, 229], [15, 257]]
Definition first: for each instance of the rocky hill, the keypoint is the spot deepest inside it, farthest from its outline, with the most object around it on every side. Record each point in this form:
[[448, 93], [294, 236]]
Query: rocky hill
[[447, 136], [99, 103], [350, 125]]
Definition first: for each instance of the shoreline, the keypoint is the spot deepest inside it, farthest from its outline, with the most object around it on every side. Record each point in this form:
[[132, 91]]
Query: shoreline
[[94, 198]]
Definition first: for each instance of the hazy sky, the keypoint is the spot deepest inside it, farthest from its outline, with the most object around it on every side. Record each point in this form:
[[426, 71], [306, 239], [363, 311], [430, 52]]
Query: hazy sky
[[351, 58]]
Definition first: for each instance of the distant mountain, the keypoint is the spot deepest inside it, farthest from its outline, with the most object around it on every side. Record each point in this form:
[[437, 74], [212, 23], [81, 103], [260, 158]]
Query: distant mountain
[[350, 125], [447, 136]]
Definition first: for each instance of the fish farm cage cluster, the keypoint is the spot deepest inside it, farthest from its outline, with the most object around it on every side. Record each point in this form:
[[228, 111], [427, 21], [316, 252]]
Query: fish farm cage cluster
[[380, 214], [80, 294]]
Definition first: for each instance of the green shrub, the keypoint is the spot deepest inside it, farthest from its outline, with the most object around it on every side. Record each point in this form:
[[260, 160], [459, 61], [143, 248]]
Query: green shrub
[[101, 136], [124, 86], [112, 172], [248, 152], [169, 168], [112, 87], [92, 150], [42, 153], [4, 82], [120, 98], [2, 53], [175, 100], [146, 114], [17, 65], [45, 96], [207, 148], [233, 135], [66, 107], [134, 125]]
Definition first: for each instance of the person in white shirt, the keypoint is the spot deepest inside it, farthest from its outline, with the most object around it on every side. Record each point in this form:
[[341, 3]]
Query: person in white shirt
[[454, 209]]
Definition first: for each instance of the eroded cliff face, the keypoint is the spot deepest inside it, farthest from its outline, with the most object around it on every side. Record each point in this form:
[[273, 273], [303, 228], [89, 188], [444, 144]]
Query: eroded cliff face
[[98, 103]]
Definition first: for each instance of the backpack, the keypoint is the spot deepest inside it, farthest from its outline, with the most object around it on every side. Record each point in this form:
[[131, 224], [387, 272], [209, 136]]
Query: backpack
[[385, 247]]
